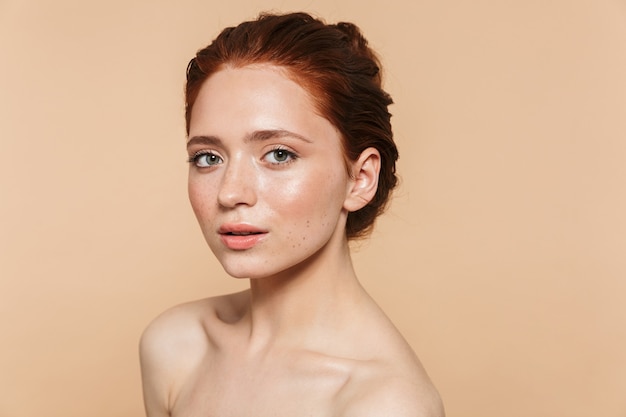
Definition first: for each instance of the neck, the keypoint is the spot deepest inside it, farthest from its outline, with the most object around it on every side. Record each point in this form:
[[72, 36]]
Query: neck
[[305, 301]]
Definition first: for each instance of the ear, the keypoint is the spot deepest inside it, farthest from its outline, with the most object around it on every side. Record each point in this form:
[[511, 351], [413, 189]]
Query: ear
[[364, 180]]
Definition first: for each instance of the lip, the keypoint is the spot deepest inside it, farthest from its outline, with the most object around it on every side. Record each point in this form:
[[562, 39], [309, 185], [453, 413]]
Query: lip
[[239, 236]]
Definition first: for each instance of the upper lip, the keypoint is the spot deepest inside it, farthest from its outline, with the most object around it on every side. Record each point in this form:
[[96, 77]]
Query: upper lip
[[239, 229]]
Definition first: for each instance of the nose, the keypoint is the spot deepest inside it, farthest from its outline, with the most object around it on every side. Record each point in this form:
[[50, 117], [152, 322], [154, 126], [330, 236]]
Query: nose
[[238, 184]]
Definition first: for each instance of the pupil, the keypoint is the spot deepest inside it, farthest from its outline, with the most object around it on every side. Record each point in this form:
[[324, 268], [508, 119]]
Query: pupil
[[280, 155]]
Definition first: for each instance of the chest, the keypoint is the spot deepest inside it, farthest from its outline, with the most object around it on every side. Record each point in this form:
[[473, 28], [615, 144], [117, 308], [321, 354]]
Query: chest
[[262, 389]]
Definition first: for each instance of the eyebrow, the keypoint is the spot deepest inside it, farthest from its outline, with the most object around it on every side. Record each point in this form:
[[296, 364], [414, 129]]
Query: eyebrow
[[204, 140], [261, 135], [256, 136]]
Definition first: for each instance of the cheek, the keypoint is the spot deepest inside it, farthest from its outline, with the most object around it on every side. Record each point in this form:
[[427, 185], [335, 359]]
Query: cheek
[[199, 196], [311, 196]]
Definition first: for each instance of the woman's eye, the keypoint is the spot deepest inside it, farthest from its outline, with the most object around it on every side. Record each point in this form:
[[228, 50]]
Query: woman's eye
[[279, 156], [204, 160]]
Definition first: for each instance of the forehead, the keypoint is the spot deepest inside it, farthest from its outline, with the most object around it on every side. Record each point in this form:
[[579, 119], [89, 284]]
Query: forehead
[[255, 97]]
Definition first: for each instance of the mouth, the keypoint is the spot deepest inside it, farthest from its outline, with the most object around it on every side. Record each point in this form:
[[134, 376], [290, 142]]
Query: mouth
[[240, 229], [241, 233], [241, 236]]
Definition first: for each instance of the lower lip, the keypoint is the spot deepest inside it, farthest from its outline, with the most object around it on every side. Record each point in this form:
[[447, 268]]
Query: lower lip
[[239, 242]]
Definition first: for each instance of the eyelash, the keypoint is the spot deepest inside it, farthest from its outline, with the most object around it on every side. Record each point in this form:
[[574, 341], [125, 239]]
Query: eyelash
[[292, 156], [193, 159]]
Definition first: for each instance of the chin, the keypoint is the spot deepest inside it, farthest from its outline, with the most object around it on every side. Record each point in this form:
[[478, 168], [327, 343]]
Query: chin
[[242, 268], [249, 272], [240, 273], [264, 262]]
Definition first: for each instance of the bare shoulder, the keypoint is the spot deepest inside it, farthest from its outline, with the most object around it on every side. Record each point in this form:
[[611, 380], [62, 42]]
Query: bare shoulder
[[174, 343], [187, 327], [174, 330], [391, 380], [394, 395]]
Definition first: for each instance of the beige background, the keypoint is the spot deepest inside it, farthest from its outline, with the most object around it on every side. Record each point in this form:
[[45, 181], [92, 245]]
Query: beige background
[[502, 259]]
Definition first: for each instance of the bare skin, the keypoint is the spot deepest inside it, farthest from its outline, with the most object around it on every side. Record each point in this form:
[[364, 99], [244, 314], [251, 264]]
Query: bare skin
[[305, 339]]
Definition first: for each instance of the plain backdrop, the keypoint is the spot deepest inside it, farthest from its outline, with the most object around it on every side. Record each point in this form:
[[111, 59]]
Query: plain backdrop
[[502, 258]]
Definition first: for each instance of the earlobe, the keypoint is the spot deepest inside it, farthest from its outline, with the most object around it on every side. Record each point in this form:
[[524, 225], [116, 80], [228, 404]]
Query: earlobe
[[365, 180]]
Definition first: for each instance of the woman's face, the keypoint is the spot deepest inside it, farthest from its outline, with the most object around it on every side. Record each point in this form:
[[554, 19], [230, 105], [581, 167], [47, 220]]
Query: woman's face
[[267, 177]]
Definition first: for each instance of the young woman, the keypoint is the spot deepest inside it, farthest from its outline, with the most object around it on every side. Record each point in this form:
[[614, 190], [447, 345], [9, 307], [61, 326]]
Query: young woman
[[291, 156]]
